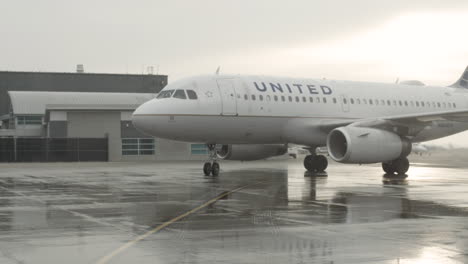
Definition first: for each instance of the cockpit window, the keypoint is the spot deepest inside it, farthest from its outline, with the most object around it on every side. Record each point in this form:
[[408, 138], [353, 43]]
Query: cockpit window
[[165, 94], [192, 94], [180, 94]]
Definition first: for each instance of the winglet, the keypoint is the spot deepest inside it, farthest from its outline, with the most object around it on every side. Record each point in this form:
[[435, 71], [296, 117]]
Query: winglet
[[217, 70], [463, 81]]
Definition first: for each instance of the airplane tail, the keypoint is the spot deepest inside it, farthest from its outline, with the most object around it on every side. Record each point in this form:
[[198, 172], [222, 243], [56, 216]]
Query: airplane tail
[[463, 81]]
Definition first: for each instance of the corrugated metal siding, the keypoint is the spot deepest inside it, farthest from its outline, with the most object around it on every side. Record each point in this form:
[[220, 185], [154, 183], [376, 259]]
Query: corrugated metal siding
[[76, 82], [27, 102]]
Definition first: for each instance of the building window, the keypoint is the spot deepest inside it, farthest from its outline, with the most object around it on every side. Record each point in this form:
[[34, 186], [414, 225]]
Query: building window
[[198, 149], [29, 120], [137, 146]]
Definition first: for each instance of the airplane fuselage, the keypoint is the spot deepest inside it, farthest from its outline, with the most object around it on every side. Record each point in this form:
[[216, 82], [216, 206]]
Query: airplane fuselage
[[269, 110]]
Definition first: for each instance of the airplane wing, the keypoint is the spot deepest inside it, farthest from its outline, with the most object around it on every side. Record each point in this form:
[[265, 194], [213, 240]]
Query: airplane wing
[[407, 125]]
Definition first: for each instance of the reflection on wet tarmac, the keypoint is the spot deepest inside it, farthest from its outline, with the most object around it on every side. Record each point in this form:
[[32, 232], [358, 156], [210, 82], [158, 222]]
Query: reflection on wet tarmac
[[82, 212]]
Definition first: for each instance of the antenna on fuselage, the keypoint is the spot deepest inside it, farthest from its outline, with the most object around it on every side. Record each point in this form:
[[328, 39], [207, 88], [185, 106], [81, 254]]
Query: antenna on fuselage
[[217, 70]]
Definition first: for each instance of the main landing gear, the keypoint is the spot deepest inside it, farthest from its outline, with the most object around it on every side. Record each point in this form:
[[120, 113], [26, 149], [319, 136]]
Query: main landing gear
[[399, 166], [315, 163], [211, 167]]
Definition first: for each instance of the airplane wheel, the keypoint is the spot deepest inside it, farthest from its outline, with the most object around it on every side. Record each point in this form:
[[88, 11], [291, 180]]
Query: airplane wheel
[[308, 163], [215, 169], [318, 163], [401, 165], [321, 163], [207, 169], [388, 168]]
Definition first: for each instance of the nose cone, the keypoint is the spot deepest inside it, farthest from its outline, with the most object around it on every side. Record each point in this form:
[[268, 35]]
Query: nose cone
[[141, 118]]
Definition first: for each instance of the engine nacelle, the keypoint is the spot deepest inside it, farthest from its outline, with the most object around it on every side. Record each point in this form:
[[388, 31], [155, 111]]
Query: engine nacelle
[[366, 145], [250, 152]]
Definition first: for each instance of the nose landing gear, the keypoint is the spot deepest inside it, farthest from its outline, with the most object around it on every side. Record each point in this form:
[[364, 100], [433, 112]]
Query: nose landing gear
[[211, 167]]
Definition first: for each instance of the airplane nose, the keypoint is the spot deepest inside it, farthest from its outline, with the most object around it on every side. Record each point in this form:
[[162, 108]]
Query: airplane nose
[[141, 119]]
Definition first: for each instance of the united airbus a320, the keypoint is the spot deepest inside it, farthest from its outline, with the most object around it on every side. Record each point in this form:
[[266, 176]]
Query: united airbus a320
[[255, 117]]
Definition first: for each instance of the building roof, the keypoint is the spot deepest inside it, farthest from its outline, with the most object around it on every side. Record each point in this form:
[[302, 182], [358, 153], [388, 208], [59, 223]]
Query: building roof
[[76, 82], [83, 73], [36, 103]]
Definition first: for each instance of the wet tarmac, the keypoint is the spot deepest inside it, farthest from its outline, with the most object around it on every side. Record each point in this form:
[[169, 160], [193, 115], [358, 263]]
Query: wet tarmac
[[261, 212]]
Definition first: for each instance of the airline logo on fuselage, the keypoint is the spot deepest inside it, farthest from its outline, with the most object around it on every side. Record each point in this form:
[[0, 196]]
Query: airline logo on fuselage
[[292, 88]]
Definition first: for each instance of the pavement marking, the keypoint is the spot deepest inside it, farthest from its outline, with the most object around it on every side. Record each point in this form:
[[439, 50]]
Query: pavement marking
[[127, 245], [59, 207]]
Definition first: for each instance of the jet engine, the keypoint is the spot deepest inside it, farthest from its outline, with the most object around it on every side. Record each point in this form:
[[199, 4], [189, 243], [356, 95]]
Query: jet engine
[[366, 145], [250, 152]]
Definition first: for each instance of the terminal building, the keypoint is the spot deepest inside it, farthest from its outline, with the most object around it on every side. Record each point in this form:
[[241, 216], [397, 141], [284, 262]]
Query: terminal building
[[81, 117]]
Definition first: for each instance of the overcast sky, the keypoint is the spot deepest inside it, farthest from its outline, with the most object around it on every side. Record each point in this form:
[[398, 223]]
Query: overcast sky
[[374, 40]]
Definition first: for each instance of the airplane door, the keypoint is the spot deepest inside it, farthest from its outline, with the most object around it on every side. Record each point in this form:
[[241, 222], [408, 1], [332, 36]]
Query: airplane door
[[228, 96], [344, 103]]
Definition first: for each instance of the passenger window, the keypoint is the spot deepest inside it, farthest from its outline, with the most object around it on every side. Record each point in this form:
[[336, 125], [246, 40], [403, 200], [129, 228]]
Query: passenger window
[[389, 103], [180, 94], [376, 102], [394, 102], [311, 99], [454, 105], [290, 98], [318, 100], [282, 98], [438, 105], [165, 94], [297, 99], [417, 104], [324, 100], [358, 101], [253, 97], [192, 94], [268, 98], [370, 102], [345, 101], [246, 97], [334, 100], [304, 99], [444, 105], [275, 97], [406, 103], [382, 102], [422, 104], [260, 97], [352, 100]]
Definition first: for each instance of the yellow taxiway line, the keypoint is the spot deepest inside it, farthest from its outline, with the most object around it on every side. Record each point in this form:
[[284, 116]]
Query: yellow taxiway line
[[127, 245]]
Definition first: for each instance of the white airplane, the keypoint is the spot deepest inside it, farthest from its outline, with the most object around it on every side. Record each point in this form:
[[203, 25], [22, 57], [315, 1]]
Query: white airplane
[[255, 117]]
